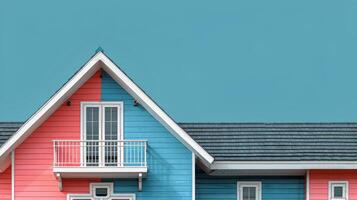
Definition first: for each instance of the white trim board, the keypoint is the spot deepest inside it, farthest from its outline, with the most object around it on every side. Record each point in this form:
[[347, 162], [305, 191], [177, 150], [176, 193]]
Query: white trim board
[[13, 175], [282, 165], [307, 185], [111, 194], [193, 176], [100, 60]]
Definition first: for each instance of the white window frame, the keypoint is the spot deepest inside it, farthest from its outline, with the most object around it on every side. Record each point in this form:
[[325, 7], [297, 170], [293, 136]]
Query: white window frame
[[256, 184], [111, 195], [343, 184], [95, 186], [101, 105]]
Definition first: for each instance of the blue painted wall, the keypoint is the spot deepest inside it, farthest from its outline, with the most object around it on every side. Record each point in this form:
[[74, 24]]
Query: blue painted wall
[[225, 188], [169, 161]]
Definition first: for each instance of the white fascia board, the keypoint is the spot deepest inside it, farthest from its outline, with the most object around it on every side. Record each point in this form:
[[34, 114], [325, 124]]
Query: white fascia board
[[78, 80], [153, 108], [100, 169], [282, 165], [50, 106], [100, 172]]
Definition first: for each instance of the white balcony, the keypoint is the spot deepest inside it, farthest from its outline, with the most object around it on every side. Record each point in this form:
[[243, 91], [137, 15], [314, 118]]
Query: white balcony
[[100, 158]]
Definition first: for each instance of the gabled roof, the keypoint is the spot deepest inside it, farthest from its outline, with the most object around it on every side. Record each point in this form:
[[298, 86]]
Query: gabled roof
[[7, 129], [101, 61], [276, 141]]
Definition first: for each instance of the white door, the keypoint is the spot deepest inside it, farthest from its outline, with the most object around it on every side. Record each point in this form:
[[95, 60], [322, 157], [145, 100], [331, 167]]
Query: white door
[[111, 133], [101, 131]]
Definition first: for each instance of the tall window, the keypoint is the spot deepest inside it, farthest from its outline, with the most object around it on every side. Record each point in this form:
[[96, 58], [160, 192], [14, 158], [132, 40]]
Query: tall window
[[249, 190], [338, 190], [101, 133]]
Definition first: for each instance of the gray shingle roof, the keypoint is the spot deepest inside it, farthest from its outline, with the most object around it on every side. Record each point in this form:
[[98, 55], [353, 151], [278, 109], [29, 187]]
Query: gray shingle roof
[[276, 141], [263, 141], [7, 129]]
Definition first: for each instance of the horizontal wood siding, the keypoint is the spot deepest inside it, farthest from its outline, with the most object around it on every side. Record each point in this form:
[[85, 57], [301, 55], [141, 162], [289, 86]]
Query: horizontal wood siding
[[225, 188], [5, 184], [169, 161], [34, 157], [319, 182]]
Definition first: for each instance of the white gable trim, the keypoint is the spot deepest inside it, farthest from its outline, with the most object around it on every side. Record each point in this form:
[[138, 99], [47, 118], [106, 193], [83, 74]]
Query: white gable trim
[[78, 80], [120, 77]]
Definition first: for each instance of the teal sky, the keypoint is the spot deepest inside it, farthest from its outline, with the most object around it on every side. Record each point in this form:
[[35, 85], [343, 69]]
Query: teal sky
[[206, 61]]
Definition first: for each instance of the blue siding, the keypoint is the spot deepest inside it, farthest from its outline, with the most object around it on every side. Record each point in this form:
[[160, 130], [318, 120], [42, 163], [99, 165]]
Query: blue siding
[[169, 161], [273, 188]]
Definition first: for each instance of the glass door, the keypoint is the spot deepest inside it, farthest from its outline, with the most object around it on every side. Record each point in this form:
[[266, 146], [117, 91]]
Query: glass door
[[110, 134], [92, 135], [101, 132]]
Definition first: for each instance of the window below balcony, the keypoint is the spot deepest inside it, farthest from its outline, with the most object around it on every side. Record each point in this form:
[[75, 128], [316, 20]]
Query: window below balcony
[[101, 191]]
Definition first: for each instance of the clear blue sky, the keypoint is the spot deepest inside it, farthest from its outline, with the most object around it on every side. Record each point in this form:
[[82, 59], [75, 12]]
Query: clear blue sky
[[206, 61]]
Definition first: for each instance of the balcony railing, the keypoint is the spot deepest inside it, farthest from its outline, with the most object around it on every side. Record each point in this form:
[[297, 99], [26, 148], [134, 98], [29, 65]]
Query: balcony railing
[[99, 153]]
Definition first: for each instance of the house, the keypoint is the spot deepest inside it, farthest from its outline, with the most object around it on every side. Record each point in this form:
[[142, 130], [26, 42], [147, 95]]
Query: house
[[101, 137]]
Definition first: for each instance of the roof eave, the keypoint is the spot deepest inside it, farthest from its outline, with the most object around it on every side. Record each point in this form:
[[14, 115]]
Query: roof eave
[[282, 165]]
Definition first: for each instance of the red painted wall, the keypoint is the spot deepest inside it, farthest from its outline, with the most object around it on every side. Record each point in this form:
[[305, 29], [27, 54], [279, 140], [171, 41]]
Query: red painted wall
[[34, 178], [5, 184], [319, 182]]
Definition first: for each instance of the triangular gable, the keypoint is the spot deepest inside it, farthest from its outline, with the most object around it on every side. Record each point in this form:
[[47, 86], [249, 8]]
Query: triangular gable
[[100, 60]]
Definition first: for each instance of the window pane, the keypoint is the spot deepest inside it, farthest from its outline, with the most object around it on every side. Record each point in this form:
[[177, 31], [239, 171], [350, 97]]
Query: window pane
[[92, 123], [101, 192], [338, 191], [115, 114], [249, 193], [111, 133], [89, 114], [252, 193], [245, 193], [92, 133], [111, 123]]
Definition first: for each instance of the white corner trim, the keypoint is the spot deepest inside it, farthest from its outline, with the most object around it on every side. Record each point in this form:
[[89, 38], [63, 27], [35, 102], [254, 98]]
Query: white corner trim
[[193, 176], [282, 165], [307, 185], [13, 175], [121, 78]]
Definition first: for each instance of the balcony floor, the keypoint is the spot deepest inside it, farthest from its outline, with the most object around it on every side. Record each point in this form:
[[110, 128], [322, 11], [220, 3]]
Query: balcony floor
[[100, 172]]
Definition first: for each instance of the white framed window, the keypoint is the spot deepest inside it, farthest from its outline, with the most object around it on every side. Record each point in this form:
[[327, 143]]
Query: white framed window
[[249, 190], [338, 190], [101, 121], [101, 191]]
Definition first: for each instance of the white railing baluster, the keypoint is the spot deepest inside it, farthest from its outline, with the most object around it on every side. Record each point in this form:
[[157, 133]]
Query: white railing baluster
[[99, 153]]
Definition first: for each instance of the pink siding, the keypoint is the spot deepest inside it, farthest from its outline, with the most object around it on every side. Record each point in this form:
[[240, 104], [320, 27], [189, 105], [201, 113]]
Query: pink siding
[[34, 178], [319, 182], [5, 184]]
